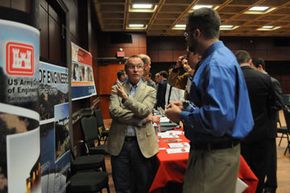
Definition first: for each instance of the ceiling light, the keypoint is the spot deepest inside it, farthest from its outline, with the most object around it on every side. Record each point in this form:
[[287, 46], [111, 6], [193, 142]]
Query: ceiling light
[[179, 27], [259, 8], [202, 6], [228, 27], [136, 25], [268, 28], [142, 6]]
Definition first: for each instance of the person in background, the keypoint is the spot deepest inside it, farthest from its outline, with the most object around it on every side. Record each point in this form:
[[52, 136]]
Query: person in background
[[163, 76], [270, 185], [121, 76], [193, 60], [132, 141], [218, 115], [147, 66], [157, 78], [161, 89], [179, 74], [149, 81], [254, 147]]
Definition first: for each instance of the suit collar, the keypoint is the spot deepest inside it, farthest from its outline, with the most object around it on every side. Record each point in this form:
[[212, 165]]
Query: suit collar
[[128, 86], [140, 87]]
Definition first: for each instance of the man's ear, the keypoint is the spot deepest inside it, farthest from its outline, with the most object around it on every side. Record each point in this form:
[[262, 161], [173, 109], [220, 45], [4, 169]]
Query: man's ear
[[197, 33], [250, 61]]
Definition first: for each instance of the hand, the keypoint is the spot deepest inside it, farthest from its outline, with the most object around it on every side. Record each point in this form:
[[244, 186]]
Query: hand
[[121, 92], [156, 119], [152, 118], [172, 112], [177, 103]]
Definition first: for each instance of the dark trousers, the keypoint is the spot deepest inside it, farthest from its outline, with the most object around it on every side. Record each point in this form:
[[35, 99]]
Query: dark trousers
[[132, 172], [271, 182], [256, 155]]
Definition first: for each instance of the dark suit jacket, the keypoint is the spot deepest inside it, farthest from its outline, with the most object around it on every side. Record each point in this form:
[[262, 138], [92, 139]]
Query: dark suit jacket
[[278, 105], [161, 91], [261, 96], [277, 94]]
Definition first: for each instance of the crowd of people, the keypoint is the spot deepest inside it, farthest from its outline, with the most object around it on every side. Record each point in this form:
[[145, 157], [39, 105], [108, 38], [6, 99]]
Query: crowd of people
[[228, 108]]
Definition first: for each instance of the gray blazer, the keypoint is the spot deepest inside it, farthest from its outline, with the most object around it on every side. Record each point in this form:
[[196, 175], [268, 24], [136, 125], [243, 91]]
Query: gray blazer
[[132, 112]]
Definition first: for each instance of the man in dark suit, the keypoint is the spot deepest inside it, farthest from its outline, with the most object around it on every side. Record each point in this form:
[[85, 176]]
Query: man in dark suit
[[161, 89], [254, 148], [271, 182]]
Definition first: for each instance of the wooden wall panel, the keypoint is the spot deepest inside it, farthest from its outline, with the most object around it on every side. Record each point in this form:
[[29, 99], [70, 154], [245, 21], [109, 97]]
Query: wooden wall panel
[[55, 47], [73, 16], [138, 45], [44, 4], [5, 3], [21, 5], [165, 50], [257, 46], [107, 77], [43, 24]]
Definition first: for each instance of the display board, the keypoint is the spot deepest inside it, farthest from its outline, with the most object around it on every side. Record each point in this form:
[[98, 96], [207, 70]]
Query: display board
[[54, 127], [19, 117], [82, 79]]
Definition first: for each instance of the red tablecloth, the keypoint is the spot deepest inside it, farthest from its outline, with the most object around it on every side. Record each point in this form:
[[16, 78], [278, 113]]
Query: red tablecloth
[[172, 168]]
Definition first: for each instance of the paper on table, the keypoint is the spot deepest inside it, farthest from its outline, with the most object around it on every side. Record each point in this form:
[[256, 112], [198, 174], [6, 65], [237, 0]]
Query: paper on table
[[177, 150], [176, 132], [170, 134], [178, 145], [164, 120], [167, 135]]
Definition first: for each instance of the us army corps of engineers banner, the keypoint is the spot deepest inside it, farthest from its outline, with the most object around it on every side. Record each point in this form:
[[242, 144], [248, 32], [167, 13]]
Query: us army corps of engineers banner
[[19, 117]]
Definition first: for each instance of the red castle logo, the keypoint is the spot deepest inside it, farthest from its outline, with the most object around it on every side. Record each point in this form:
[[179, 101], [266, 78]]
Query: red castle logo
[[19, 59]]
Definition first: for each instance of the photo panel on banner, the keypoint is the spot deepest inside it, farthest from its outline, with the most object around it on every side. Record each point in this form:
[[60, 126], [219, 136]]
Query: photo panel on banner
[[54, 127], [82, 78]]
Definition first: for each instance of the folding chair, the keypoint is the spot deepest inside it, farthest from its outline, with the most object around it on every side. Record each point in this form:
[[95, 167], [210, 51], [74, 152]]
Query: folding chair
[[286, 112], [91, 135], [87, 162], [104, 132], [88, 182], [283, 131]]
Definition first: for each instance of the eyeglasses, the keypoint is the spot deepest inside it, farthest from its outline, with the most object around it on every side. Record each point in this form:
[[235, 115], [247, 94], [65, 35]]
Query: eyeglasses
[[138, 66]]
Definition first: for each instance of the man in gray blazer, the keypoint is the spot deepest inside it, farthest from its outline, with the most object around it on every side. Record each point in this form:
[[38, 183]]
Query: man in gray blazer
[[132, 141]]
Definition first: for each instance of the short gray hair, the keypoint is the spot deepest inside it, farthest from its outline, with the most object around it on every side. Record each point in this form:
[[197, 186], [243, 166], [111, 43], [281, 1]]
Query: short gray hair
[[133, 56], [145, 58]]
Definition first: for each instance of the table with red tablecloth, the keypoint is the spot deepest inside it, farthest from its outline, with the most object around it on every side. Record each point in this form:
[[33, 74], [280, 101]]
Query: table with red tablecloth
[[172, 168]]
